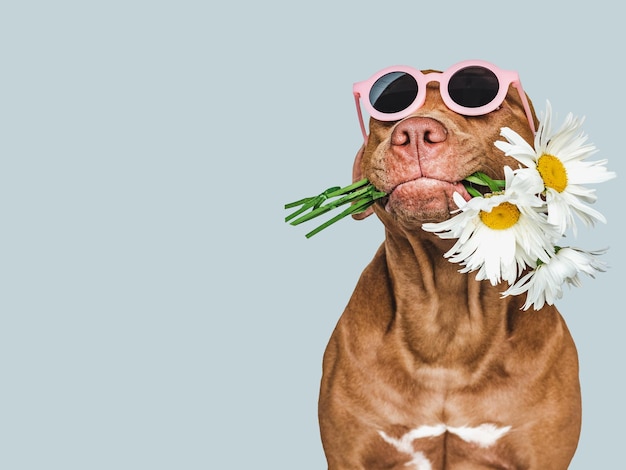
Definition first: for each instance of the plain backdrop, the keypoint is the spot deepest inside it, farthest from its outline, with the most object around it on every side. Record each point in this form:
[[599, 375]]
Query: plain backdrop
[[155, 310]]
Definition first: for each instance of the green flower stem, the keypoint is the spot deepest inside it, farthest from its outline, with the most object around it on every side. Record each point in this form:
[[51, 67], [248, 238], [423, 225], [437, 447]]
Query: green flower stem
[[482, 179], [317, 211], [309, 202], [356, 208], [361, 195], [472, 191]]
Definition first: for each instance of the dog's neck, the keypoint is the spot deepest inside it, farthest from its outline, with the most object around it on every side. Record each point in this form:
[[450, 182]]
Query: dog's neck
[[447, 319]]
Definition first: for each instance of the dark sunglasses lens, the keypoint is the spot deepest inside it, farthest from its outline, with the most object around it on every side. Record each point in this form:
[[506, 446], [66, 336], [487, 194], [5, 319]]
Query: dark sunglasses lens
[[473, 87], [393, 92]]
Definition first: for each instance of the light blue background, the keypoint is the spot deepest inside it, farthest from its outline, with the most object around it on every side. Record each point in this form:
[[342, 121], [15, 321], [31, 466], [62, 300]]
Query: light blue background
[[155, 311]]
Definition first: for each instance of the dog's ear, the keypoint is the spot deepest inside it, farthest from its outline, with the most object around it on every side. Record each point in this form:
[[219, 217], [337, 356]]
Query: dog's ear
[[357, 175]]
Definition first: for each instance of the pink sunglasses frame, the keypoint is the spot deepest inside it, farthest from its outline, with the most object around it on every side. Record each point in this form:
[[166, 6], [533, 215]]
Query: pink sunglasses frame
[[505, 78]]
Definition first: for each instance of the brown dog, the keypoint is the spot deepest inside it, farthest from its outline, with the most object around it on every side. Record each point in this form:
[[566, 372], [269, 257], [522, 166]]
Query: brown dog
[[427, 367]]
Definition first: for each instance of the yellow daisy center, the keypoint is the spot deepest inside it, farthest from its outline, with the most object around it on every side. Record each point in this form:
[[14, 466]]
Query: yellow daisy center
[[552, 172], [501, 217]]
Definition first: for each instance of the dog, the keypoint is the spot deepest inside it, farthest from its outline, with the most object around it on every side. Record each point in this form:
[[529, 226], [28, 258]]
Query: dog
[[428, 368]]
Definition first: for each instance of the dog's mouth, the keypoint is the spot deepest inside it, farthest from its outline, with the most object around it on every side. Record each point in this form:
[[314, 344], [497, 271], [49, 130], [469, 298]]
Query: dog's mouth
[[423, 198], [427, 183]]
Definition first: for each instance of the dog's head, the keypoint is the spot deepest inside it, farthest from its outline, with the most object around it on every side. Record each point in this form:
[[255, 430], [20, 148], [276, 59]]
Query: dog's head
[[420, 160]]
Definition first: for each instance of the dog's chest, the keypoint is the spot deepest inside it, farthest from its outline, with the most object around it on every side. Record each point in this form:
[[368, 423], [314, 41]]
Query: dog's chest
[[439, 446]]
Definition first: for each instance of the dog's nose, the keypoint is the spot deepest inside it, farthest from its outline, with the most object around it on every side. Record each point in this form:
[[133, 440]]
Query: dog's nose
[[418, 135]]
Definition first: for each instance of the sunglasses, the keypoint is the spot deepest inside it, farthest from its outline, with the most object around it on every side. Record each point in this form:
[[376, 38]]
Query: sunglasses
[[470, 88]]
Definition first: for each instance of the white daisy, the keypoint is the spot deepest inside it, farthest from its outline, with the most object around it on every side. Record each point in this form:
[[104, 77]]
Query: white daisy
[[501, 234], [559, 158], [544, 284]]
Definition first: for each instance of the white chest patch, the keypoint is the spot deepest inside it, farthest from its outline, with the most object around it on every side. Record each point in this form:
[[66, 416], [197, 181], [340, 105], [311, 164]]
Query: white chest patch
[[484, 436]]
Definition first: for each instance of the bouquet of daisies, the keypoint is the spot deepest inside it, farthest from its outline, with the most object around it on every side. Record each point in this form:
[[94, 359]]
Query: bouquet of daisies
[[513, 233]]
